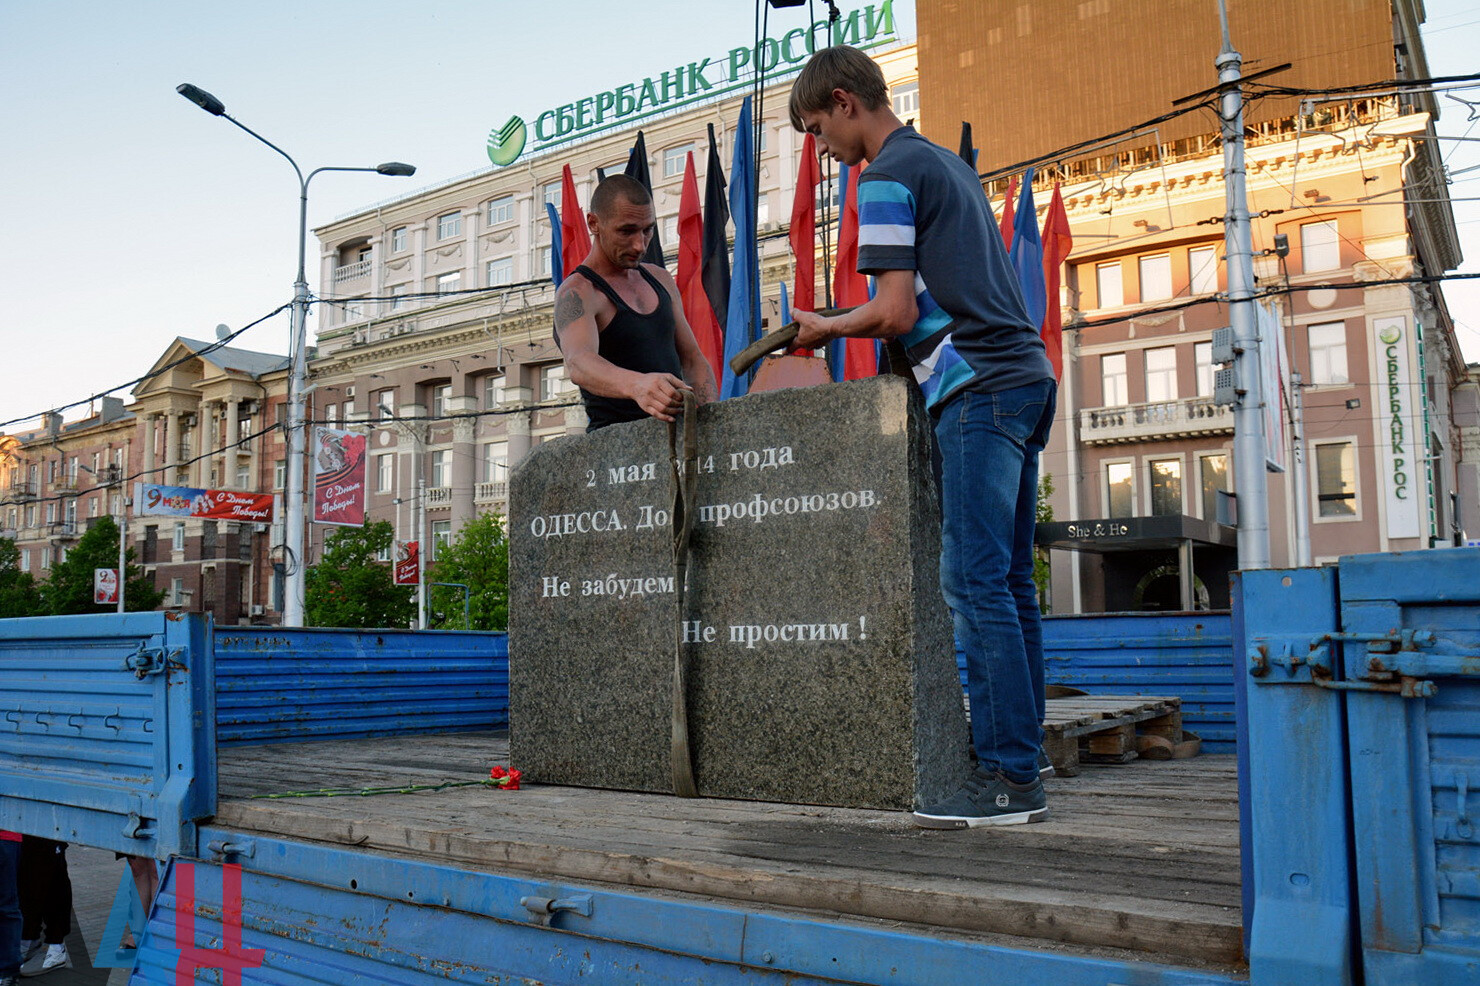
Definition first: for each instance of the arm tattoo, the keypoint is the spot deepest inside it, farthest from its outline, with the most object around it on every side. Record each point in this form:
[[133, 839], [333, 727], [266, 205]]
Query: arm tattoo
[[568, 309]]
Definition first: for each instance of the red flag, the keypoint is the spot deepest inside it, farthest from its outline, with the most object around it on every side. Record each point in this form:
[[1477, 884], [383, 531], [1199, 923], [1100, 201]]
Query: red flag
[[850, 288], [804, 228], [696, 307], [1057, 242], [1007, 217], [575, 239]]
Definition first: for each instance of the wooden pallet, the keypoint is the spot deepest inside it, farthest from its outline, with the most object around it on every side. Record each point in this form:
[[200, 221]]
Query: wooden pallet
[[1102, 728]]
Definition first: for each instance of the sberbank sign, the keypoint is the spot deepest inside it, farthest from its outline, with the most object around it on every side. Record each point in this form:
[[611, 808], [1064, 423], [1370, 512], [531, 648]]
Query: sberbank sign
[[868, 27]]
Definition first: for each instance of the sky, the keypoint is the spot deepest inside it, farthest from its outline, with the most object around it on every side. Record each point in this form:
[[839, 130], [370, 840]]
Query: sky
[[135, 217]]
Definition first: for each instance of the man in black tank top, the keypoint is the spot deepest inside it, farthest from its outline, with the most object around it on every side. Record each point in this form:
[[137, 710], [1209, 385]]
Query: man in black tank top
[[619, 322]]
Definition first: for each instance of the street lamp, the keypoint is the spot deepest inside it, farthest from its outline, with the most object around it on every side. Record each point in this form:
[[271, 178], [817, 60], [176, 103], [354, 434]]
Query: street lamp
[[294, 494]]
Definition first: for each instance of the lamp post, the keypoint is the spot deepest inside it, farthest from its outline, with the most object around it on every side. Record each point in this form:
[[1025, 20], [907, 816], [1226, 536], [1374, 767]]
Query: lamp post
[[294, 494]]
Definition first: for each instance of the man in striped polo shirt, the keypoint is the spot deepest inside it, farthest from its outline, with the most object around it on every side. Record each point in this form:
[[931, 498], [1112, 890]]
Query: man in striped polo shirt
[[945, 290]]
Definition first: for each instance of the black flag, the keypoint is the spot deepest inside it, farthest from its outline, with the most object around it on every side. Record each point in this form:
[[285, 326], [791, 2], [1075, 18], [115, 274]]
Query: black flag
[[968, 153], [716, 267], [637, 167]]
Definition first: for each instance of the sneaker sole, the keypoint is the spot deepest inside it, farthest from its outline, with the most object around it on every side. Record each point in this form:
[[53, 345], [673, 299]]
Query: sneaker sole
[[925, 821], [1046, 772]]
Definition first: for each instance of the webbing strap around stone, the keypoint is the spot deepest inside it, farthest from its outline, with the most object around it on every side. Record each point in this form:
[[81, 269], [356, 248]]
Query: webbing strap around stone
[[684, 477]]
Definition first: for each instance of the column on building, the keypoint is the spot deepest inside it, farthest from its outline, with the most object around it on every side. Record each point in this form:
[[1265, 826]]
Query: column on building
[[517, 428], [171, 445], [464, 460], [151, 428], [233, 435], [205, 432]]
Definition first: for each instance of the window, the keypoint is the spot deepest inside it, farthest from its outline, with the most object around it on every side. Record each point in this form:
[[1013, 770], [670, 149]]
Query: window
[[449, 225], [554, 382], [383, 553], [385, 472], [1320, 247], [331, 414], [441, 468], [1166, 487], [1113, 382], [385, 404], [440, 396], [495, 462], [243, 476], [1156, 277], [1202, 361], [501, 210], [906, 99], [178, 543], [669, 231], [25, 559], [675, 158], [97, 464], [1120, 491], [398, 239], [1161, 374], [763, 208], [1336, 480], [449, 282], [493, 392], [1108, 285], [441, 537], [549, 195], [398, 299], [1202, 265], [177, 592], [45, 559], [279, 474], [500, 272], [92, 506], [51, 513], [1328, 353], [542, 262], [1214, 476]]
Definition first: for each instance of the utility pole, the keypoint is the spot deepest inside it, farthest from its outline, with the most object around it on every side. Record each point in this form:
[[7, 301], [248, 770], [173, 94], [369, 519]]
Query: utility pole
[[423, 547], [1248, 422], [1299, 482]]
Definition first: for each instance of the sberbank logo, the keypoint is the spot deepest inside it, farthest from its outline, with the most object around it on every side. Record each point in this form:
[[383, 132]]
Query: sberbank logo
[[507, 142], [1390, 335]]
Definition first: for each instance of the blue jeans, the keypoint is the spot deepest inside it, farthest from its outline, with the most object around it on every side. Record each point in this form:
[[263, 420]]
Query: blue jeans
[[10, 909], [989, 445]]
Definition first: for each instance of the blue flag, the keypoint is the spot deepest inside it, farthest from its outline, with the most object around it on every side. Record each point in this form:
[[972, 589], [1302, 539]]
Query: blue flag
[[836, 353], [743, 320], [785, 305], [1026, 254], [557, 267]]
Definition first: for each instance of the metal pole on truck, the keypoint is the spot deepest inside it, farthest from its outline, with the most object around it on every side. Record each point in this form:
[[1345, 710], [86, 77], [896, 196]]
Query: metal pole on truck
[[122, 548], [294, 493], [1248, 424]]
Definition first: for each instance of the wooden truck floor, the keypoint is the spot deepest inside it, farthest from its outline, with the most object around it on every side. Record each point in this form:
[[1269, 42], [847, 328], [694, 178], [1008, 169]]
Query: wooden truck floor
[[1141, 857]]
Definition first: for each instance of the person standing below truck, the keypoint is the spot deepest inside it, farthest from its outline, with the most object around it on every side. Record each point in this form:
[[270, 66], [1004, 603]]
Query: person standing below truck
[[620, 324], [945, 290]]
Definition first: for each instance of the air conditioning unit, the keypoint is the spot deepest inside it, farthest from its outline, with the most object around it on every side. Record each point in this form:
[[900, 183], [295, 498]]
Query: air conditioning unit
[[257, 609], [349, 391]]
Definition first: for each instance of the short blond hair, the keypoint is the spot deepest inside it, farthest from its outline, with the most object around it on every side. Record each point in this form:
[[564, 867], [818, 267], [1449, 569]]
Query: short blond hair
[[838, 67]]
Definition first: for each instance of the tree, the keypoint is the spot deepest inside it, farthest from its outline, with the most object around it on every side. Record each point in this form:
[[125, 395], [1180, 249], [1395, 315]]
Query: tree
[[70, 587], [19, 595], [479, 559], [350, 588], [1040, 555]]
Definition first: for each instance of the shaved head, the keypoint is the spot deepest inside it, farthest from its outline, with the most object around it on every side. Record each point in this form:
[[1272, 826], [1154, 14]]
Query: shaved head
[[614, 187]]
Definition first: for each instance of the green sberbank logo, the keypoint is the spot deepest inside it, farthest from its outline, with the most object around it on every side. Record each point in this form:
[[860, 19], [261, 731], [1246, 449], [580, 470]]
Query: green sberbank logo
[[507, 142], [1390, 334]]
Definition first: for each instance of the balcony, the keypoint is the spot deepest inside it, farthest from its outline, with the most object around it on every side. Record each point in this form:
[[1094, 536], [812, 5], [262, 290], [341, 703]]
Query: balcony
[[490, 492], [62, 529], [351, 272], [1193, 416], [20, 489], [439, 496]]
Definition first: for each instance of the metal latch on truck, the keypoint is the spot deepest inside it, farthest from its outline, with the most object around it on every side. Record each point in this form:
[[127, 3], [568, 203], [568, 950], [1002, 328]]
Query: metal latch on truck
[[148, 661], [1401, 662]]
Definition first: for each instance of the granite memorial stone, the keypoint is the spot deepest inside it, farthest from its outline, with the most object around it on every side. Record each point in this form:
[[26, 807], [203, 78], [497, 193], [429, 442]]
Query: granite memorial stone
[[819, 654]]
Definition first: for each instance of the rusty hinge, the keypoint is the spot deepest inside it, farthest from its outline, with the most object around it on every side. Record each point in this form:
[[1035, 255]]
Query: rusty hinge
[[1398, 662]]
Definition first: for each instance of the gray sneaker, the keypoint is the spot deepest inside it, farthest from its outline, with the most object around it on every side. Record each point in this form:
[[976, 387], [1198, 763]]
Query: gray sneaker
[[55, 957], [987, 799]]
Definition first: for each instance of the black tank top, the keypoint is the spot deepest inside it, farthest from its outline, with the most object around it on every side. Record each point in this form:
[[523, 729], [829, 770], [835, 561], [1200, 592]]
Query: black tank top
[[633, 341]]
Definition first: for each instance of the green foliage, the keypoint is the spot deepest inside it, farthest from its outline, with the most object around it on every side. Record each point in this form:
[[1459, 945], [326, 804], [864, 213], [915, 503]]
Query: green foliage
[[479, 559], [1040, 555], [19, 595], [349, 588], [70, 587]]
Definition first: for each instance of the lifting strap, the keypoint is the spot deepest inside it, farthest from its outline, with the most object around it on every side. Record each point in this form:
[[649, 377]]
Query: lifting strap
[[685, 475]]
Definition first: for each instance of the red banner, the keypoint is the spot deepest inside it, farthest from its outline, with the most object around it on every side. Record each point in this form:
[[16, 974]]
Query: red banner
[[188, 501], [408, 563], [105, 586], [338, 477]]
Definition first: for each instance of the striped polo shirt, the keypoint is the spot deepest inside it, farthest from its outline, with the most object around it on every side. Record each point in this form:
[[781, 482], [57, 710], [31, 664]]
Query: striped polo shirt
[[921, 208]]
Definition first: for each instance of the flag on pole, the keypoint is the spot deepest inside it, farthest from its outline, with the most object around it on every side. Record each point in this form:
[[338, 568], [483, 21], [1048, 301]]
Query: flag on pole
[[1026, 255], [1005, 223], [690, 272], [742, 323], [716, 272], [785, 305], [850, 288], [803, 235], [967, 152], [575, 238], [1057, 243], [557, 270], [637, 167]]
